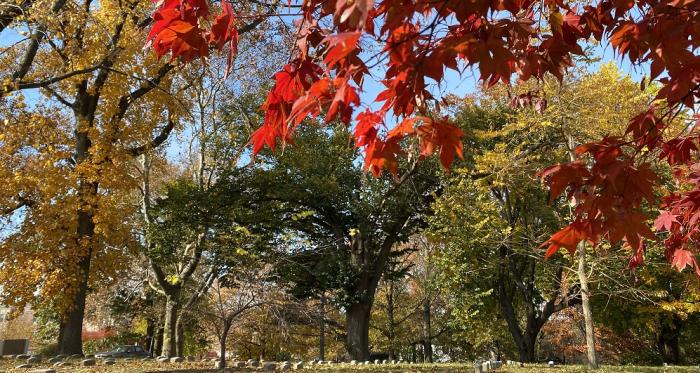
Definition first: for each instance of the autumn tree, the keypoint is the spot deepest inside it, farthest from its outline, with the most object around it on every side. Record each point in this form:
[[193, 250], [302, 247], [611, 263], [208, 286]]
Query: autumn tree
[[338, 228], [416, 42], [79, 102], [513, 217]]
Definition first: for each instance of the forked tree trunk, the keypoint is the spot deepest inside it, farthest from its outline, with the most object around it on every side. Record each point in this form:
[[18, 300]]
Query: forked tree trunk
[[358, 316]]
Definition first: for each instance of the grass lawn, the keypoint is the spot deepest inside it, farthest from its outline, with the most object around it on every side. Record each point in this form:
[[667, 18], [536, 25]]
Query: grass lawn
[[8, 365]]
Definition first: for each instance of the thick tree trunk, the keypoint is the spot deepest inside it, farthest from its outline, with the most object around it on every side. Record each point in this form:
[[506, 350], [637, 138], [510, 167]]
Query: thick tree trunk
[[427, 341], [179, 336], [358, 316], [586, 305], [322, 329], [71, 329], [169, 327], [667, 341]]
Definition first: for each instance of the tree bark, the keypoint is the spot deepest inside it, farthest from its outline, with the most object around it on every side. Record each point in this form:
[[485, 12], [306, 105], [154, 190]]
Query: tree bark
[[157, 349], [668, 341], [322, 329], [71, 329], [179, 336], [586, 306], [169, 327], [222, 343], [427, 342], [358, 316], [391, 332]]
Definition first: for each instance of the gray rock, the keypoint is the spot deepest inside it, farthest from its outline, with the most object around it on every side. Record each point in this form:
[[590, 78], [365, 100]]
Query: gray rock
[[353, 362], [62, 364], [24, 366], [299, 365], [253, 363], [43, 371], [110, 361], [88, 362], [55, 359], [76, 356], [22, 357], [285, 367], [34, 360], [551, 364], [384, 361], [394, 362], [377, 362], [269, 366], [177, 359]]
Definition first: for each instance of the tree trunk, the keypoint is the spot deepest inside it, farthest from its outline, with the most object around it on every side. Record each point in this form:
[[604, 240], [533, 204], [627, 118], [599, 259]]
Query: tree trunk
[[427, 342], [179, 336], [391, 332], [322, 329], [222, 344], [150, 333], [358, 316], [169, 327], [586, 306], [71, 329], [667, 341]]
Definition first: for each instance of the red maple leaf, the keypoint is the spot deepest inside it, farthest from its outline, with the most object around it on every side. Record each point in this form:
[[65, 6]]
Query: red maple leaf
[[224, 31], [665, 221]]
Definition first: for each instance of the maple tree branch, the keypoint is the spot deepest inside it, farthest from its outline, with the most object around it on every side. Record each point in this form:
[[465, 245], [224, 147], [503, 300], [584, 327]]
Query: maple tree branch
[[8, 12], [44, 83], [160, 276], [149, 84], [35, 40], [23, 202], [203, 287], [60, 98], [157, 141]]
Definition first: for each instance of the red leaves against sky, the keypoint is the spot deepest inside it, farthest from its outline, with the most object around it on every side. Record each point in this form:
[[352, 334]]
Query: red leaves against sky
[[610, 182], [177, 30]]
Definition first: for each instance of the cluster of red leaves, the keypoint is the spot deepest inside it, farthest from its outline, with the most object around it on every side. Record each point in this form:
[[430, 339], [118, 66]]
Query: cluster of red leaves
[[610, 187], [177, 30], [611, 182]]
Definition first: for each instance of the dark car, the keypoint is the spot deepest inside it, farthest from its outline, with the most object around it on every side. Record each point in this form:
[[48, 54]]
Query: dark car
[[124, 351]]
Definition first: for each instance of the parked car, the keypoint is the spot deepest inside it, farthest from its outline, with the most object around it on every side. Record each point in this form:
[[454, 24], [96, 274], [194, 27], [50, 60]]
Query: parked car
[[124, 351]]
